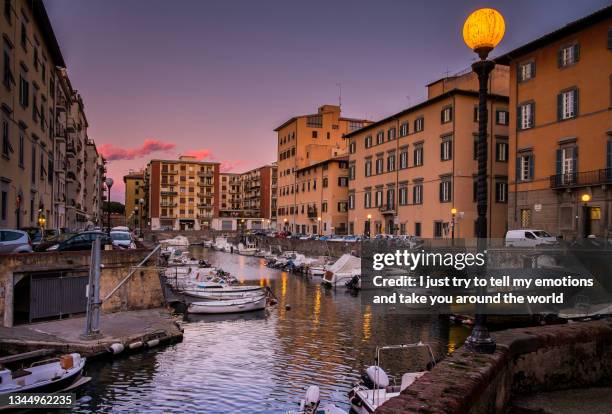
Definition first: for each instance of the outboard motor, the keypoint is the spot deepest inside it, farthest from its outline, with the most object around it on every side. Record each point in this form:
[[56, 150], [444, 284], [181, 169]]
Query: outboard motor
[[311, 400], [353, 283], [375, 378]]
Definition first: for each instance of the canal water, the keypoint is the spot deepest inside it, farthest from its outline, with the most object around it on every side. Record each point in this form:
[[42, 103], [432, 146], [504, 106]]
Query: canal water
[[263, 362]]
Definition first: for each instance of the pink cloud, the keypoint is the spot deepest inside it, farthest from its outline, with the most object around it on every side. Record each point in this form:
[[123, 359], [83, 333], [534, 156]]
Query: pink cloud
[[200, 154], [149, 146], [229, 165]]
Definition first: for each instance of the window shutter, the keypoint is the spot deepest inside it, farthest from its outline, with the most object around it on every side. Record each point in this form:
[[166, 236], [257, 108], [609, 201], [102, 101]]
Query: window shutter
[[518, 169], [560, 58], [531, 166], [576, 102], [609, 160], [442, 116], [575, 161], [440, 188], [533, 69], [559, 169], [533, 113], [442, 150], [519, 110], [450, 149], [576, 52], [414, 188], [559, 106]]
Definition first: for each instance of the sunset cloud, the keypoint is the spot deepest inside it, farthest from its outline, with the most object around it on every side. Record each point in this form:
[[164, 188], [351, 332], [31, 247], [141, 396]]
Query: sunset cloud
[[200, 154], [112, 153], [228, 166]]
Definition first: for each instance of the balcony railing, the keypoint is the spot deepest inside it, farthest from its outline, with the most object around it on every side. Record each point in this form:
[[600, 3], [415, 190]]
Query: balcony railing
[[168, 204], [581, 179], [170, 172], [312, 213], [167, 191], [205, 205], [205, 173], [387, 209]]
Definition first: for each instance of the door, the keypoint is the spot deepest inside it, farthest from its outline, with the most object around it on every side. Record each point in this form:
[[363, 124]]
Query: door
[[57, 296]]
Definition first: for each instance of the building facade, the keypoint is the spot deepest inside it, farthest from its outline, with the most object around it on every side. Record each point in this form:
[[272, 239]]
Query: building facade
[[181, 194], [93, 191], [134, 192], [304, 141], [561, 134], [407, 171]]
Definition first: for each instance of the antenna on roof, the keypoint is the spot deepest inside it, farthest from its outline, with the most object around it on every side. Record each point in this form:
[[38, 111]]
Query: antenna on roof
[[339, 85]]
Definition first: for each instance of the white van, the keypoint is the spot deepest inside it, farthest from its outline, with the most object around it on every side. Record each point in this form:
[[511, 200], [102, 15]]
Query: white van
[[529, 238]]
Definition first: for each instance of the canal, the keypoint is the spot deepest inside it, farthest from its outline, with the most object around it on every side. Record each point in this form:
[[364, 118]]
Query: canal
[[263, 362]]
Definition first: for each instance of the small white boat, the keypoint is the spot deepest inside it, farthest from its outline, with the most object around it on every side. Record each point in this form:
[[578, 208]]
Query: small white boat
[[223, 291], [177, 241], [342, 271], [311, 401], [248, 249], [375, 387], [229, 306], [51, 375], [207, 243]]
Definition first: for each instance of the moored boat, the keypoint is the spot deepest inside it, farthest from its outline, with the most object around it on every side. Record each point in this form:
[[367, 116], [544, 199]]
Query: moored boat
[[247, 304]]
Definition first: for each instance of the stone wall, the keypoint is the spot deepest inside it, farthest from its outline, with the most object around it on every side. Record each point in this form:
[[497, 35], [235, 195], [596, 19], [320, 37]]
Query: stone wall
[[309, 247], [142, 291], [526, 360]]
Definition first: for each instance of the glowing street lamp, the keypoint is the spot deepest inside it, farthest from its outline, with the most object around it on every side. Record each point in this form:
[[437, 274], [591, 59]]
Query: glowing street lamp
[[453, 214], [586, 224], [482, 31], [369, 225], [319, 225], [42, 221]]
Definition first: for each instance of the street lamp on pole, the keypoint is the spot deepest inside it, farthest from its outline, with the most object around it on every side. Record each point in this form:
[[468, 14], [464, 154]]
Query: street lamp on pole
[[586, 223], [482, 31], [453, 214], [109, 183], [319, 225], [141, 217], [369, 225]]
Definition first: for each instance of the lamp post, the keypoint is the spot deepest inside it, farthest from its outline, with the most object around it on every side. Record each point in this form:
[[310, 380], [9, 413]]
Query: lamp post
[[109, 183], [482, 31], [42, 221], [141, 217], [586, 223], [369, 225], [319, 225], [453, 214], [285, 224]]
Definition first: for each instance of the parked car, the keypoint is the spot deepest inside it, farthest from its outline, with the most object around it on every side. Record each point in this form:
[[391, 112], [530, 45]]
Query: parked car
[[83, 241], [36, 233], [122, 239], [48, 244], [15, 241], [529, 238]]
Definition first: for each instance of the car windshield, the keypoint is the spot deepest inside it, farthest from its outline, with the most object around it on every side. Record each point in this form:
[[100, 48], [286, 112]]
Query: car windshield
[[541, 234], [120, 236]]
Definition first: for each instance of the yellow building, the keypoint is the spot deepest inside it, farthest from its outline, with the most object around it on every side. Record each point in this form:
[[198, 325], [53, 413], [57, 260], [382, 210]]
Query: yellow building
[[134, 192], [407, 171], [27, 99], [561, 135], [304, 141]]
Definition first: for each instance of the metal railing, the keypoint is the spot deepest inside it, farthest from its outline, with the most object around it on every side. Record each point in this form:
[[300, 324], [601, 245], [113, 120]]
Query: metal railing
[[581, 179]]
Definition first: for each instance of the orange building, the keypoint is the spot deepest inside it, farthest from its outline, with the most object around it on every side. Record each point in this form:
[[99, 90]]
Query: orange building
[[407, 171], [561, 134], [304, 141], [182, 194]]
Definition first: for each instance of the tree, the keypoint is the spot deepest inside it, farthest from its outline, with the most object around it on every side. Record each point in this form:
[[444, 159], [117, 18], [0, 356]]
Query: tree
[[115, 207]]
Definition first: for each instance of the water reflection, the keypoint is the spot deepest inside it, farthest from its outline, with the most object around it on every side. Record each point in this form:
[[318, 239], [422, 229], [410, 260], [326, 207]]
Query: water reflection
[[262, 362]]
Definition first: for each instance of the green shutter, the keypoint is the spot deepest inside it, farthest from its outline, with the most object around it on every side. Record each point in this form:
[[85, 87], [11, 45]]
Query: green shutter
[[576, 102], [559, 107], [576, 52], [517, 172], [531, 166]]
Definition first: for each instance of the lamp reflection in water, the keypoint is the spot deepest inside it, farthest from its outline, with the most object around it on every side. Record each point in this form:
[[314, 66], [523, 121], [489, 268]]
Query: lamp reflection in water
[[284, 285], [317, 306], [367, 323]]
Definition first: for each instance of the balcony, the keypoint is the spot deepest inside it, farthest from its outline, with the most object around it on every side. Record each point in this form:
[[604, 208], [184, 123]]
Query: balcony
[[581, 179], [387, 209], [168, 204], [168, 191], [205, 205], [203, 184], [205, 173], [169, 172], [312, 213]]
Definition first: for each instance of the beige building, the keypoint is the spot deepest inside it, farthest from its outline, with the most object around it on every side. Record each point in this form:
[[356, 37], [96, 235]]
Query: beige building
[[93, 193], [134, 192], [561, 135], [408, 170], [27, 99], [303, 141], [181, 194]]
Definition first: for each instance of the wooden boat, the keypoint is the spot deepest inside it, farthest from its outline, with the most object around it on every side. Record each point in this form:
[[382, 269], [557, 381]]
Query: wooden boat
[[229, 306], [50, 375], [223, 291]]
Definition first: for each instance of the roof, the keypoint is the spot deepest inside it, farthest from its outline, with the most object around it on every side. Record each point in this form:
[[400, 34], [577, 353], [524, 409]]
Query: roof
[[422, 105], [133, 176], [40, 14], [556, 35], [332, 159], [184, 161]]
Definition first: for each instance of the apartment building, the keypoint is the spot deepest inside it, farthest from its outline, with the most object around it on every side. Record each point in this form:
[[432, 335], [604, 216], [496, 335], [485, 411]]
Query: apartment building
[[322, 197], [27, 100], [561, 135], [93, 192], [134, 192], [248, 199], [407, 171], [304, 141], [181, 194]]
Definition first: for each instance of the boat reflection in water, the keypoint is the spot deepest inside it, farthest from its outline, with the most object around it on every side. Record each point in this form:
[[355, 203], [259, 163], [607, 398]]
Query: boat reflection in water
[[262, 362]]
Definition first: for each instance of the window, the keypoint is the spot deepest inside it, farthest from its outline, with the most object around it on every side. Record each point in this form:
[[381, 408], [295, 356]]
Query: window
[[567, 160], [351, 201], [419, 124], [418, 155], [367, 199], [568, 55], [417, 229], [33, 173], [390, 198], [403, 159], [368, 141], [445, 191], [352, 147], [324, 207], [391, 163], [524, 167], [315, 134], [24, 91], [567, 104], [526, 71], [501, 192], [7, 76], [352, 172], [391, 134], [6, 143], [379, 166], [525, 217], [8, 12], [404, 129], [314, 121], [438, 229], [476, 115], [21, 148], [368, 168], [343, 181], [417, 194], [501, 151], [446, 115], [355, 125], [380, 137], [403, 196], [446, 149], [379, 198], [501, 117], [24, 36], [526, 114]]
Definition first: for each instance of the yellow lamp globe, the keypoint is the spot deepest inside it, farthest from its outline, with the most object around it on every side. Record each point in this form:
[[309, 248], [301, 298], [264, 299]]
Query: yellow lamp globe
[[483, 30]]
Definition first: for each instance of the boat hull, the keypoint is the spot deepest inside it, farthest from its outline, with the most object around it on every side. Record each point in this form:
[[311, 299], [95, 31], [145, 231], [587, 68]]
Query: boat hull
[[233, 306]]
